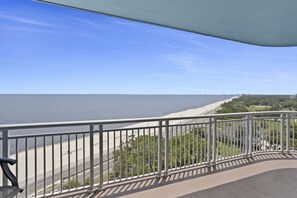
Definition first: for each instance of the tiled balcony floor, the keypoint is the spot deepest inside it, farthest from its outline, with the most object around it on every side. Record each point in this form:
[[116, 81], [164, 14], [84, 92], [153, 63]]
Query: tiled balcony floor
[[264, 175]]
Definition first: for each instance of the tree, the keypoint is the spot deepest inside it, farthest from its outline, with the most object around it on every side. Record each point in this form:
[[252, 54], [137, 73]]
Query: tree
[[138, 156]]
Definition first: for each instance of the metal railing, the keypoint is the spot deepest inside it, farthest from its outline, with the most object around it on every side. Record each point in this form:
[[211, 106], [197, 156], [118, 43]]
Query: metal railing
[[55, 158]]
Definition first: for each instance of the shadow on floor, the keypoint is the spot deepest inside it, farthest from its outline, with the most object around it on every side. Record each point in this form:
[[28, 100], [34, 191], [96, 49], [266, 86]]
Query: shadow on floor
[[271, 184], [130, 187]]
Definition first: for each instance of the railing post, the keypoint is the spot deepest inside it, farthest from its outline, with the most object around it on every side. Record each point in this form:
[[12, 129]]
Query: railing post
[[101, 155], [250, 135], [214, 141], [160, 149], [209, 143], [288, 134], [166, 145], [246, 137], [282, 133], [91, 157], [5, 151]]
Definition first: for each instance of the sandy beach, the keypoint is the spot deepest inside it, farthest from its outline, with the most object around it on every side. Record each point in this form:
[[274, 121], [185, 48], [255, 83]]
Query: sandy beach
[[208, 109], [36, 161]]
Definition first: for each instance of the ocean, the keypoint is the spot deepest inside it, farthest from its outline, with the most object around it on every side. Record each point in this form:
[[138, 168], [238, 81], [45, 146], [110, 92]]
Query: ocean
[[17, 109]]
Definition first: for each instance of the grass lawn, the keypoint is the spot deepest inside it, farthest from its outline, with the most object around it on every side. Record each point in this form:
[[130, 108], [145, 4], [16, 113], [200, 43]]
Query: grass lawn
[[253, 108]]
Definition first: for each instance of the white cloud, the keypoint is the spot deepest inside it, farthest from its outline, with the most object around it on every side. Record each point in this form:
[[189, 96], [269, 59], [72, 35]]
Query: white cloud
[[24, 20]]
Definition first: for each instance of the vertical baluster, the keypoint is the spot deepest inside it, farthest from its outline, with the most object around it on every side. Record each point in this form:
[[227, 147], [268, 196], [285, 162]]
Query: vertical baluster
[[160, 148], [202, 143], [143, 151], [61, 163], [288, 133], [108, 168], [44, 164], [250, 135], [259, 135], [185, 143], [132, 150], [171, 148], [189, 144], [35, 166], [17, 157], [221, 140], [233, 123], [121, 159], [238, 141], [114, 150], [277, 134], [137, 152], [294, 121], [193, 145], [126, 154], [226, 128], [273, 135], [265, 133], [149, 151], [234, 129], [225, 140], [214, 139], [84, 159], [176, 136], [269, 133], [205, 143], [253, 135], [69, 153], [53, 164], [154, 150], [91, 157], [166, 145], [76, 160], [5, 152], [209, 142], [180, 147], [197, 143], [101, 155], [246, 136], [26, 166], [231, 139], [282, 132]]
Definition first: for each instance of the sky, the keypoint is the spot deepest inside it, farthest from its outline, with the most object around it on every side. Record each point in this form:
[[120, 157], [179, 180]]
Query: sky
[[46, 49]]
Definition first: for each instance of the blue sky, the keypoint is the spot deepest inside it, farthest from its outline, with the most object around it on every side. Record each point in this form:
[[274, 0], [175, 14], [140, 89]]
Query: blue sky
[[49, 49]]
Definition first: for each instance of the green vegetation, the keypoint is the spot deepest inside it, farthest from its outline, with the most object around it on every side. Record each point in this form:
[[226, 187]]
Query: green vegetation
[[138, 156], [251, 103], [73, 184]]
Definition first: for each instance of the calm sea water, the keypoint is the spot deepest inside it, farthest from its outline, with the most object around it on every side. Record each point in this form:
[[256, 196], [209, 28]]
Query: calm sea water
[[16, 109]]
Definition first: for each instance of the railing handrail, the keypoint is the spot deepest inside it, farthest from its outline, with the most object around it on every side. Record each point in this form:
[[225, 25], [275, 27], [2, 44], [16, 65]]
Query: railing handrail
[[131, 120], [76, 155]]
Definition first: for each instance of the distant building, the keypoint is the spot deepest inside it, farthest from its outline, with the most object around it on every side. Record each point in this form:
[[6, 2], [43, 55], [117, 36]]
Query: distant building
[[293, 96]]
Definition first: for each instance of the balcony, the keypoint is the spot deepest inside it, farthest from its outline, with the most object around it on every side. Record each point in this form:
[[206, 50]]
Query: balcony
[[175, 157]]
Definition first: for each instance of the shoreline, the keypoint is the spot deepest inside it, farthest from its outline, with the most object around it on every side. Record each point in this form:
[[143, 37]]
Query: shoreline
[[207, 109], [204, 110]]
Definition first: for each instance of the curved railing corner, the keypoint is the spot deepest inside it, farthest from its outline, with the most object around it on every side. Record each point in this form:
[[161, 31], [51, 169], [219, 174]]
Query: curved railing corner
[[56, 158]]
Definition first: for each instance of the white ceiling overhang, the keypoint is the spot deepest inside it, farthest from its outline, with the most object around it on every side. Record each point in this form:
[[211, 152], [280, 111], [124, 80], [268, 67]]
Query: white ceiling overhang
[[258, 22]]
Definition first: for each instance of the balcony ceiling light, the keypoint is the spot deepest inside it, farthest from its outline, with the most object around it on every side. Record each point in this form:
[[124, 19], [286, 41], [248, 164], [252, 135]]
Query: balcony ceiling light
[[258, 22]]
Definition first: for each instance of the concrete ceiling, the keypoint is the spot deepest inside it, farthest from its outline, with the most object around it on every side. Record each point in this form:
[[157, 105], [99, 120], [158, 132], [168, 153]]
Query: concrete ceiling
[[257, 22]]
